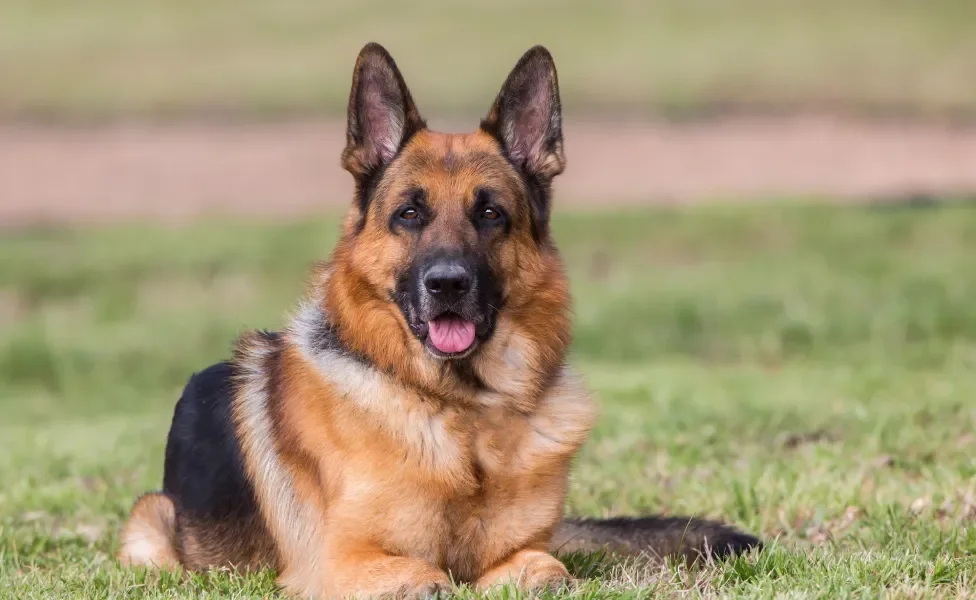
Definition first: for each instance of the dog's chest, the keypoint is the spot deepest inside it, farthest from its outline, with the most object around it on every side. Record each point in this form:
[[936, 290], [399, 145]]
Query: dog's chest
[[503, 487], [464, 488]]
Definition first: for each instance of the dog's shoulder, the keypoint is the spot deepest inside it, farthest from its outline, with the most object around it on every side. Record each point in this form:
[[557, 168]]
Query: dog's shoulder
[[565, 414]]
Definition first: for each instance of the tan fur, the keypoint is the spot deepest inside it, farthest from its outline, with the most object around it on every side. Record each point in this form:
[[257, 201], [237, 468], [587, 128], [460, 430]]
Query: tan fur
[[146, 539]]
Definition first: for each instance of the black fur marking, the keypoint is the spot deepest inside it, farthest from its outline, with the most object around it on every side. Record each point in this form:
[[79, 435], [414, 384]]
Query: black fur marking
[[489, 292], [464, 371], [540, 203], [403, 294], [323, 336], [204, 474], [365, 189], [203, 418], [692, 538]]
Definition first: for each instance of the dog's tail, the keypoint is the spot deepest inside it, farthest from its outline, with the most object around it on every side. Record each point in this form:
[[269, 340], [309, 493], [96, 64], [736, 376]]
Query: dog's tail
[[148, 537], [679, 537]]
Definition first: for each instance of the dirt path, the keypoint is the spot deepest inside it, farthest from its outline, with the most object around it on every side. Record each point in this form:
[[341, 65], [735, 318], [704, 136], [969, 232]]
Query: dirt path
[[178, 172]]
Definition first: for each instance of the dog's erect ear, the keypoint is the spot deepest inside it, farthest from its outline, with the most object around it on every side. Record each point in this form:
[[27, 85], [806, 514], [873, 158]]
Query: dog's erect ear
[[527, 118], [381, 116]]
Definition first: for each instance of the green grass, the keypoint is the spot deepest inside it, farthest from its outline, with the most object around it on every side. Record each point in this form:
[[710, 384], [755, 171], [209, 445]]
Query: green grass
[[103, 58], [805, 373]]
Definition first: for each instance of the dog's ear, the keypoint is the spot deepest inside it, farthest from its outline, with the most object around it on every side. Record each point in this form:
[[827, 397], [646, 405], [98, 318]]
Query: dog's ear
[[381, 115], [527, 118]]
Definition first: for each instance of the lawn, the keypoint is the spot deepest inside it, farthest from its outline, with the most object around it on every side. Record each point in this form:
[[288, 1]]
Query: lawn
[[807, 373], [64, 59]]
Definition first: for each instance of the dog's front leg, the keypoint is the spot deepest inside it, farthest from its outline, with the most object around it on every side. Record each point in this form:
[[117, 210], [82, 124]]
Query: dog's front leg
[[363, 570], [529, 570]]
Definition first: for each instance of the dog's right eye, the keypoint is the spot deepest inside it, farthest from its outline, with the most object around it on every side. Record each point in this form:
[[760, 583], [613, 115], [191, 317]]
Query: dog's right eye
[[412, 213], [410, 217]]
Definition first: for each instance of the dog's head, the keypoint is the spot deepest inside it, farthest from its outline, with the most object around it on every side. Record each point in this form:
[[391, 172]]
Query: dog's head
[[451, 228]]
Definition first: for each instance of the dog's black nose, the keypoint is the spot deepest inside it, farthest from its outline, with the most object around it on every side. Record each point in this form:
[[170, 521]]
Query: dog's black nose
[[448, 281]]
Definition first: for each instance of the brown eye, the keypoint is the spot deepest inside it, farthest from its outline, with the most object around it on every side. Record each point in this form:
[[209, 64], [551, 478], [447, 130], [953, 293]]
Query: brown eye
[[409, 214], [489, 213]]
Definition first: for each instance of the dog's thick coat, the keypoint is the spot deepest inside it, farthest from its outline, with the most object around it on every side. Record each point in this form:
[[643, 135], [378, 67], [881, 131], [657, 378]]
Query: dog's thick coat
[[416, 422]]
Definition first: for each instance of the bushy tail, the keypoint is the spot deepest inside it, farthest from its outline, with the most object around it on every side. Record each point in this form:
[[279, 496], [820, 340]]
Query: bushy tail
[[148, 537], [679, 537]]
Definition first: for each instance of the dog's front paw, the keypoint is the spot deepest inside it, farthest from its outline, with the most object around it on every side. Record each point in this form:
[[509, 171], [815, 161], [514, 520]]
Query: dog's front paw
[[528, 570], [428, 590]]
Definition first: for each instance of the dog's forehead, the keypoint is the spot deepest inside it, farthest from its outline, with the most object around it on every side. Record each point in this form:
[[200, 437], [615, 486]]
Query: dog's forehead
[[448, 144], [452, 155], [449, 167]]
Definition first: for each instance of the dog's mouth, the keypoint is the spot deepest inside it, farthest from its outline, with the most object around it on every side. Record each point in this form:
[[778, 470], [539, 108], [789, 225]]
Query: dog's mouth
[[450, 335]]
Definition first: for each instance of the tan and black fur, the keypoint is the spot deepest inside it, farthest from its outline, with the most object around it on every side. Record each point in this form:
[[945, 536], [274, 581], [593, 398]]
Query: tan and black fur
[[348, 451]]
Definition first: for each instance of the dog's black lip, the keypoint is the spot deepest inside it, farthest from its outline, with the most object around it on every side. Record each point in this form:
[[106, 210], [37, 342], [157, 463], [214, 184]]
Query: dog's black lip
[[420, 328]]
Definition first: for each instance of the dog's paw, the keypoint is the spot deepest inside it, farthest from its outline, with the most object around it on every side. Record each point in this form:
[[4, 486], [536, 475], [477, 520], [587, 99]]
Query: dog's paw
[[428, 590], [531, 571]]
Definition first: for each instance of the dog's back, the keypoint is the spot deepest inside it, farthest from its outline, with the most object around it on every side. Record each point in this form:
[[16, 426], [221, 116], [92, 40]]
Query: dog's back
[[206, 514]]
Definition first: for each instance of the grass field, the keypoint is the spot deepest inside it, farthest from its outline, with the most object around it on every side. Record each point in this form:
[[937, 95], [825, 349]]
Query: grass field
[[805, 373], [114, 58]]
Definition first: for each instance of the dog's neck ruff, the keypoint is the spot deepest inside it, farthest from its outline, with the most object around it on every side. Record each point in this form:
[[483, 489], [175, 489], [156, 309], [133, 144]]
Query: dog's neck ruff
[[317, 338], [316, 335], [561, 411]]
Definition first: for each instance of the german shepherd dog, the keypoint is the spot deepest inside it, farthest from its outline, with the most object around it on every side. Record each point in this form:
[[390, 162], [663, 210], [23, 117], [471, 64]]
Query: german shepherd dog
[[415, 422]]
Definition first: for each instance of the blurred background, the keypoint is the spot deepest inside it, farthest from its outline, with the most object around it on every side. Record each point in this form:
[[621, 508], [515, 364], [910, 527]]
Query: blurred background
[[765, 216], [114, 108]]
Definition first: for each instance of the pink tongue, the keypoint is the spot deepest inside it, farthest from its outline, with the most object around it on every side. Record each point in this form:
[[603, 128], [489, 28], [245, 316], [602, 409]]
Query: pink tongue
[[451, 334]]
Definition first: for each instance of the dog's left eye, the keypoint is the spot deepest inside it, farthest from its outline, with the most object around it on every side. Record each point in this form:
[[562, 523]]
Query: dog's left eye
[[486, 213]]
